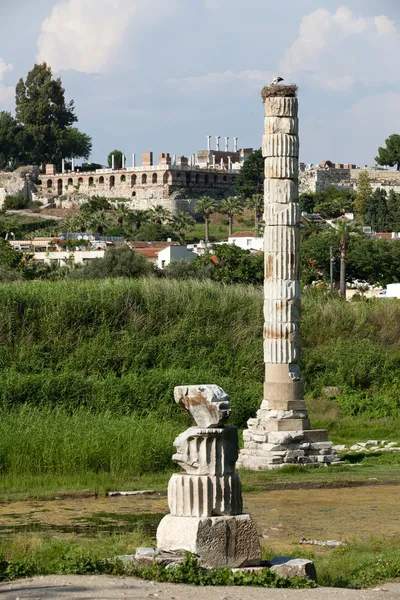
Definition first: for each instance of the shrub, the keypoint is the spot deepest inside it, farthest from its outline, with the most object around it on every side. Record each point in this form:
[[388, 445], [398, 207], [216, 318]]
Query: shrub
[[16, 202]]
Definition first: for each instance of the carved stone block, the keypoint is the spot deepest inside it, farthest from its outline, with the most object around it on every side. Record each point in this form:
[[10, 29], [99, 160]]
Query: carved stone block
[[280, 191], [282, 311], [280, 144], [279, 265], [207, 451], [277, 289], [204, 496], [281, 239], [209, 405], [281, 107], [217, 541], [276, 213], [288, 125], [281, 167]]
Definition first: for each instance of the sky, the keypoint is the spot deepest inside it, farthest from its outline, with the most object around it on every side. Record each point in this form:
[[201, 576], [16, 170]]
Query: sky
[[161, 75]]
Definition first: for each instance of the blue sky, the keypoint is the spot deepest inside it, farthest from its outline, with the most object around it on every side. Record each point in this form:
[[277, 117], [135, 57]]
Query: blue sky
[[162, 74]]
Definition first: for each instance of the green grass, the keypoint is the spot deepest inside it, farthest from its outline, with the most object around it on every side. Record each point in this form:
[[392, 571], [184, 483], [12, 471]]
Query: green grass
[[88, 370], [357, 565]]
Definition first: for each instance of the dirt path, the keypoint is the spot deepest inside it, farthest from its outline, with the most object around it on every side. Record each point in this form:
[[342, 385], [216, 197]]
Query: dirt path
[[98, 587]]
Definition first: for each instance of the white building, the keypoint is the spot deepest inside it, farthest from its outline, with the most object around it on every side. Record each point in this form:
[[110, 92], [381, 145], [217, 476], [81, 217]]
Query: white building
[[64, 258], [247, 241], [174, 253]]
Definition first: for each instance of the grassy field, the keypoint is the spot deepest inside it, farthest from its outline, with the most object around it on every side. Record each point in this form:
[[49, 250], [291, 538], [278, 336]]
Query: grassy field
[[88, 370]]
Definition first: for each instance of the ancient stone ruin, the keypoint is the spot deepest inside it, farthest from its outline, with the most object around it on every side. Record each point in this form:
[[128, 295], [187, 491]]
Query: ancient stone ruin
[[281, 434], [205, 501]]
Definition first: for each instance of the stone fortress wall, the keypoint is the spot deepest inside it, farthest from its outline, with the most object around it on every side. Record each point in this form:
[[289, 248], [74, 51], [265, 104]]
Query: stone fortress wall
[[173, 184], [345, 176]]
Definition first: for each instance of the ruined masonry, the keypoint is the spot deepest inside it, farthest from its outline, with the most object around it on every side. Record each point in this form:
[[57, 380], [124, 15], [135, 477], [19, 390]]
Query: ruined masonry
[[205, 501], [280, 434]]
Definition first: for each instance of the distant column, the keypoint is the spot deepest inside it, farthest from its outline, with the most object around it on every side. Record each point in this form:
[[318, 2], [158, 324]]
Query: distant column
[[209, 143], [217, 138], [112, 161], [73, 164], [133, 160], [235, 144], [222, 163], [123, 161], [227, 144], [213, 161], [63, 165], [229, 163]]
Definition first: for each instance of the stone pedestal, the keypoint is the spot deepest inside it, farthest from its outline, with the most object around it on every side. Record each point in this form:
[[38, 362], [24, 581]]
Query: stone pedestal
[[281, 432], [205, 501], [217, 541]]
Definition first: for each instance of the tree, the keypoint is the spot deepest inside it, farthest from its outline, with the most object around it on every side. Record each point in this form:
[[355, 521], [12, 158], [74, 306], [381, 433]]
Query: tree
[[206, 206], [154, 232], [231, 206], [46, 118], [250, 180], [117, 262], [256, 203], [159, 214], [12, 143], [393, 208], [234, 265], [9, 257], [121, 213], [333, 202], [137, 218], [344, 231], [390, 156], [363, 193], [307, 202], [75, 143], [183, 222], [376, 212], [117, 159], [101, 221]]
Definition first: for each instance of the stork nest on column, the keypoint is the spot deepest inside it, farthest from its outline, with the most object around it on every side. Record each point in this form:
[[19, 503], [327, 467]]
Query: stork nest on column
[[274, 91]]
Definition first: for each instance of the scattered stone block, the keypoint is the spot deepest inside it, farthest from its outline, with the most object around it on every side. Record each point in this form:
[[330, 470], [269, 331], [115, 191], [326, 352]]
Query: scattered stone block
[[284, 566]]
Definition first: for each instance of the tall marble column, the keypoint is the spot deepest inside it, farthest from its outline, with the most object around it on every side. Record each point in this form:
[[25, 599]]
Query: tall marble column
[[281, 433]]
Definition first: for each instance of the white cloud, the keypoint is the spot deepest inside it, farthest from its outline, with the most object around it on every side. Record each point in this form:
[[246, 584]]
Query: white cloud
[[85, 35], [338, 50], [6, 91], [251, 78]]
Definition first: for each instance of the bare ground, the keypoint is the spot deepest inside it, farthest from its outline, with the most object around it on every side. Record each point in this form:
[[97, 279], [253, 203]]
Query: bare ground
[[100, 587]]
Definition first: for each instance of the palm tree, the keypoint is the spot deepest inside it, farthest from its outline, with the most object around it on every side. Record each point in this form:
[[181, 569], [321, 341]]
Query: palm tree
[[231, 206], [70, 224], [183, 222], [121, 213], [206, 206], [82, 222], [137, 218], [256, 203], [100, 220], [160, 214], [309, 227]]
